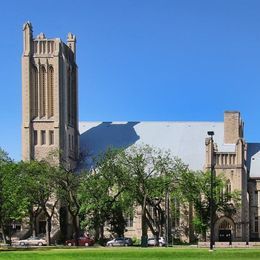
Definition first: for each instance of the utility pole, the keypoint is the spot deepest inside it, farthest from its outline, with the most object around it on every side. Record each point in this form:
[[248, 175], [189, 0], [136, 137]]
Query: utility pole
[[167, 217], [212, 202]]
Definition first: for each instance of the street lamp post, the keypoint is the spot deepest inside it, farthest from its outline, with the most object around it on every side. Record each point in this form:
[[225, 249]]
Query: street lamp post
[[167, 218], [211, 133]]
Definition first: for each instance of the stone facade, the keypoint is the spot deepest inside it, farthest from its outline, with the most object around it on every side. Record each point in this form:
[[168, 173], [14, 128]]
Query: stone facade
[[233, 127], [254, 206], [49, 95], [232, 165]]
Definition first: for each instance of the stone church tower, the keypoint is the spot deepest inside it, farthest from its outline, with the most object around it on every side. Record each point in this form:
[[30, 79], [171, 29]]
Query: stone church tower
[[231, 163], [49, 98]]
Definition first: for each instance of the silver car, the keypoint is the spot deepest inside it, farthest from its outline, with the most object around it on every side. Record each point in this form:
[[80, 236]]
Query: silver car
[[119, 241], [33, 241], [151, 241]]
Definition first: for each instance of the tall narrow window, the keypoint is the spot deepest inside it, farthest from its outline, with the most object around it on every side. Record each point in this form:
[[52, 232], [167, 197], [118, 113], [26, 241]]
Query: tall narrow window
[[35, 137], [50, 92], [74, 96], [69, 143], [228, 190], [176, 213], [225, 225], [69, 95], [220, 193], [129, 221], [72, 142], [34, 92], [256, 224], [42, 91], [43, 137], [228, 187], [51, 137]]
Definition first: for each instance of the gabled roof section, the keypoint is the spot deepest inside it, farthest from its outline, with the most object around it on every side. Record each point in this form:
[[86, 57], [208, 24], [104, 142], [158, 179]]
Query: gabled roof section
[[253, 159], [185, 140]]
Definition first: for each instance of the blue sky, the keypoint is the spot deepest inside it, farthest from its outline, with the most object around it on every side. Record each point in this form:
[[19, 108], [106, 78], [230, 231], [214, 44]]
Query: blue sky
[[176, 60]]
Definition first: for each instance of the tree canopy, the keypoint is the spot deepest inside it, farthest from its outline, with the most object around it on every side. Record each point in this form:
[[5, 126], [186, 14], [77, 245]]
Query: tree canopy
[[140, 180]]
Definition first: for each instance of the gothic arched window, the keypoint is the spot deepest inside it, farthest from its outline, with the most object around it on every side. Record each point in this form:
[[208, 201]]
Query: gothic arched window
[[228, 190], [228, 187], [74, 95], [34, 92], [50, 91], [225, 225], [69, 96], [42, 91]]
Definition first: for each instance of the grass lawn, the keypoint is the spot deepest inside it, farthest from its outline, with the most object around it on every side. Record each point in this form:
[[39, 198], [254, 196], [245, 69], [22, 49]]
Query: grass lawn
[[130, 253]]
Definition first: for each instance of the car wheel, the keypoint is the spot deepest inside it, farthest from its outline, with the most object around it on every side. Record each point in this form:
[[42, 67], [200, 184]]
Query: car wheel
[[87, 244], [40, 244], [160, 244], [69, 244], [111, 244], [22, 244], [126, 244]]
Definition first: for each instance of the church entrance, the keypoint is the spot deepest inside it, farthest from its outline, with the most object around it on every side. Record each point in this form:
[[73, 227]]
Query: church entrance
[[224, 229], [224, 235]]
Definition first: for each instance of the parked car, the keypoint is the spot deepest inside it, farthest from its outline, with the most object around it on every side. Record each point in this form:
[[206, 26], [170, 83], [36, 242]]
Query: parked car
[[151, 241], [83, 241], [33, 241], [119, 241], [129, 241]]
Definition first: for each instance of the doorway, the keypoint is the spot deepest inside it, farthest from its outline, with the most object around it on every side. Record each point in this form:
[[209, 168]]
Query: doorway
[[224, 229], [224, 235]]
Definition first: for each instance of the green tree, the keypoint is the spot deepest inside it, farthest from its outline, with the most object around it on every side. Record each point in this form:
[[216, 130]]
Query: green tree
[[195, 189], [13, 203], [40, 190], [103, 196], [68, 183], [122, 180], [151, 173]]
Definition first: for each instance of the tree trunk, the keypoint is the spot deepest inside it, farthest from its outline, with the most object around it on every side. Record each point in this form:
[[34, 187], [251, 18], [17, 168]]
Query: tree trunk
[[11, 232], [157, 238], [3, 233], [157, 225], [33, 220], [34, 233], [48, 231], [144, 237], [76, 229], [204, 236], [96, 233], [101, 232]]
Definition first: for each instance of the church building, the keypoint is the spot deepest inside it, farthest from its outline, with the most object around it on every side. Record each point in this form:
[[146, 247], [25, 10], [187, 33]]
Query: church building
[[50, 122]]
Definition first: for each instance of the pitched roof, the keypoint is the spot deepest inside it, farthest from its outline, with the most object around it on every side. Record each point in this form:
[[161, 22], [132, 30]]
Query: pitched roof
[[185, 140], [253, 159]]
